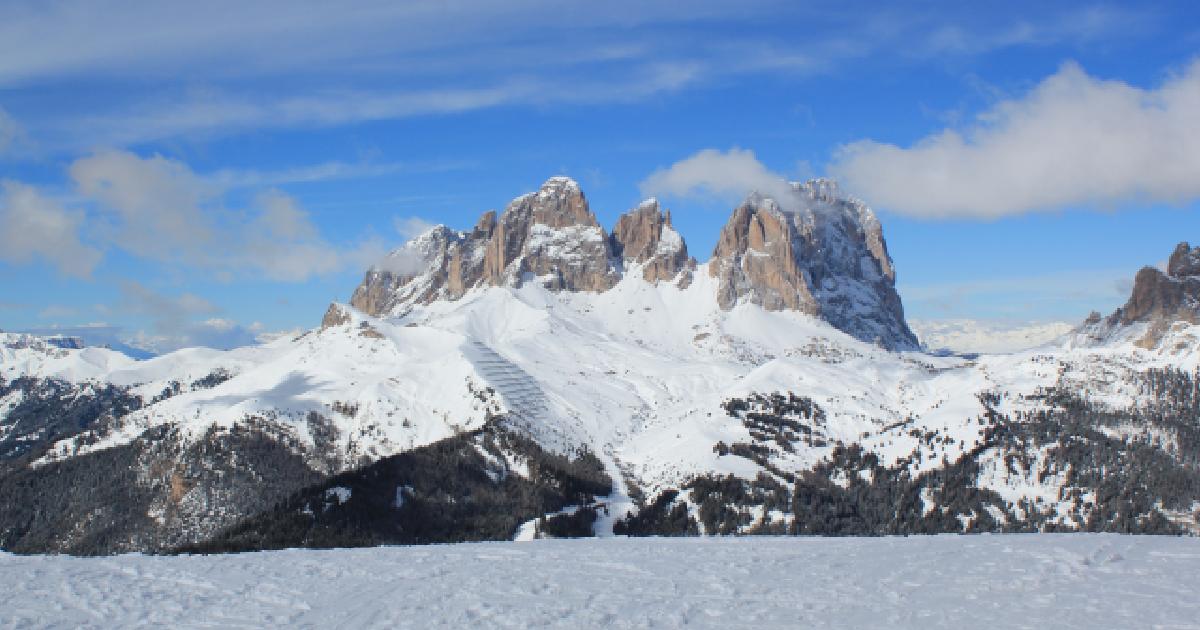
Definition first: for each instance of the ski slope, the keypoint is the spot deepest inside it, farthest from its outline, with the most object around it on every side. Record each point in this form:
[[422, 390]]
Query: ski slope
[[1011, 581]]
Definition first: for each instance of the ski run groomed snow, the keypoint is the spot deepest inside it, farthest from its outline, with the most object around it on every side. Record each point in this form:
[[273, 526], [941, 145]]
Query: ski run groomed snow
[[988, 581]]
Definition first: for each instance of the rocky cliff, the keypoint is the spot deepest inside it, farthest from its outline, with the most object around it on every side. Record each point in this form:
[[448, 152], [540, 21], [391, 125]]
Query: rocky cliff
[[550, 236], [1157, 301], [819, 252], [644, 236], [822, 254]]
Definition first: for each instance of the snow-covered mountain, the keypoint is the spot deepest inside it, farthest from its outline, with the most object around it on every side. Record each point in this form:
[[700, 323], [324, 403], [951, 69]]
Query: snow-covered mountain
[[824, 256], [539, 370]]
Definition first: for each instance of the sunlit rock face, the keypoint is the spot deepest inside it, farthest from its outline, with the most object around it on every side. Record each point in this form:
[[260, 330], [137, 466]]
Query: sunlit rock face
[[820, 253]]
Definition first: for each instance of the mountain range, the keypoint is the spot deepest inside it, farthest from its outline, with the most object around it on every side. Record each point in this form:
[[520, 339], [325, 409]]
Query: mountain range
[[539, 375]]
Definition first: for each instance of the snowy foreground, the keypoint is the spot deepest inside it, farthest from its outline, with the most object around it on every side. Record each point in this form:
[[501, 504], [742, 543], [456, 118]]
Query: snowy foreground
[[1001, 581]]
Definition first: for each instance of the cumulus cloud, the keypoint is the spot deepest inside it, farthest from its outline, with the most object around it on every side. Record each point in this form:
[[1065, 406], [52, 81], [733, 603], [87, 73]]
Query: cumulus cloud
[[159, 209], [723, 174], [1073, 140], [33, 226], [180, 321]]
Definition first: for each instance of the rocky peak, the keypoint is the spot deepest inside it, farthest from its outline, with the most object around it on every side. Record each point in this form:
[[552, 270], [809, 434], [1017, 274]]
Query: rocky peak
[[755, 259], [1185, 261], [560, 203], [1157, 301], [550, 235], [824, 255], [645, 236]]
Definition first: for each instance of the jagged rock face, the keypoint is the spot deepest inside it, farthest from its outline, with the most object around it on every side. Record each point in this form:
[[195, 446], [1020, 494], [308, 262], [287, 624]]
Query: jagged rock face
[[645, 236], [754, 259], [440, 264], [335, 315], [553, 235], [1185, 261], [1158, 299], [550, 234], [824, 255]]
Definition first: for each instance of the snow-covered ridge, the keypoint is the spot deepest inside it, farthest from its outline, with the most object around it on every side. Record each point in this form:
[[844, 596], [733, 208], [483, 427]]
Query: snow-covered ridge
[[637, 373]]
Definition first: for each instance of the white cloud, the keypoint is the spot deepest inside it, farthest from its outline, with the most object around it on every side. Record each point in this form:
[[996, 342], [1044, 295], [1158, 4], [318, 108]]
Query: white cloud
[[1074, 140], [726, 175], [33, 226], [159, 209], [411, 227], [181, 321], [56, 311], [207, 112]]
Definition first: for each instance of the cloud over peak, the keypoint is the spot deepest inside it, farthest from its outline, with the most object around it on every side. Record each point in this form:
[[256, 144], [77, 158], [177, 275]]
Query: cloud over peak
[[727, 175]]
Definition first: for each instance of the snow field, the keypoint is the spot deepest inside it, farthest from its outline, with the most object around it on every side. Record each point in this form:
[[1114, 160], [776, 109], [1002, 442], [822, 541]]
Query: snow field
[[1008, 581]]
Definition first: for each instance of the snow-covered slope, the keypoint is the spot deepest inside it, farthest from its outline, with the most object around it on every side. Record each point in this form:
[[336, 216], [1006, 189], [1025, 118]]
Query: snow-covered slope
[[1059, 581]]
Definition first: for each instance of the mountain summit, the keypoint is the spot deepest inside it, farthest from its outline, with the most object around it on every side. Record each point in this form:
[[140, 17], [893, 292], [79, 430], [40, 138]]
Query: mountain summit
[[826, 257], [1158, 301], [819, 252]]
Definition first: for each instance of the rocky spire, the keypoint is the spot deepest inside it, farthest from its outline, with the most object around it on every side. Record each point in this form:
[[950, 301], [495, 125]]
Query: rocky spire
[[825, 255], [550, 235], [553, 235], [1158, 300], [644, 236]]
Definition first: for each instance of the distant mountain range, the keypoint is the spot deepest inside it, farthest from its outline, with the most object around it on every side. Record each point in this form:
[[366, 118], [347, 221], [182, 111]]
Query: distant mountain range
[[973, 336], [539, 375]]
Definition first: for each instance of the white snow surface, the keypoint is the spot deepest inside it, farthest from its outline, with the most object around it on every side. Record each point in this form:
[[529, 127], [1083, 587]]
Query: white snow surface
[[953, 581]]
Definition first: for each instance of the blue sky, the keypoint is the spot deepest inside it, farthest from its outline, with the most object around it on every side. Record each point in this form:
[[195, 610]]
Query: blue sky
[[201, 173]]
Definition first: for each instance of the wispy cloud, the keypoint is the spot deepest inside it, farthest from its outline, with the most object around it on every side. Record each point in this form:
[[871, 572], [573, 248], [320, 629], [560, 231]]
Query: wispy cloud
[[727, 175], [180, 321], [242, 60], [159, 209], [9, 130], [327, 171]]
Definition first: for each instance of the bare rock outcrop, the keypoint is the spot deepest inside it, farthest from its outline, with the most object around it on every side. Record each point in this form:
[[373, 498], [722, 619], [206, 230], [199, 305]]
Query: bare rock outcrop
[[823, 254], [816, 252], [553, 236], [645, 236], [335, 315], [755, 260], [550, 236], [1158, 300]]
